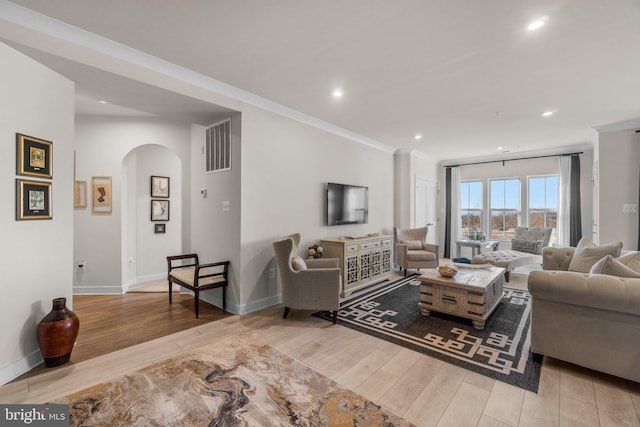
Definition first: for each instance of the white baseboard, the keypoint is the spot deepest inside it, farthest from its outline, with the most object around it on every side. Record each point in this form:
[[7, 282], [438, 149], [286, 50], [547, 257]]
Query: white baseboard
[[242, 308], [98, 290], [149, 278], [252, 306], [19, 367]]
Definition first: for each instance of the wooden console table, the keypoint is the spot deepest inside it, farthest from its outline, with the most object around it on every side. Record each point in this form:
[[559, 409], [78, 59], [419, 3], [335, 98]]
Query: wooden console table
[[363, 260]]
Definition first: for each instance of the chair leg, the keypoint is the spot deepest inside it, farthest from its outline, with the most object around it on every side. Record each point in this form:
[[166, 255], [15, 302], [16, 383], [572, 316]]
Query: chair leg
[[286, 313], [197, 303], [335, 316], [507, 275], [224, 298], [170, 290], [405, 272]]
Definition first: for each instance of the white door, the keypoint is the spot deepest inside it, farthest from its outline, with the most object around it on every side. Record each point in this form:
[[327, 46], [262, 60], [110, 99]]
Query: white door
[[426, 203]]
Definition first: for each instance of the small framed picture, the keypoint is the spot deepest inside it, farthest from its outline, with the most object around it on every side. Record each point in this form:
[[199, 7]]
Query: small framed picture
[[33, 156], [160, 186], [159, 228], [33, 200], [159, 210], [101, 198], [80, 194]]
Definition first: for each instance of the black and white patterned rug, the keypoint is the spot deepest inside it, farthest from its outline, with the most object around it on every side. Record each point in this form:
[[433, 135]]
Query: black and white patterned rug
[[500, 351]]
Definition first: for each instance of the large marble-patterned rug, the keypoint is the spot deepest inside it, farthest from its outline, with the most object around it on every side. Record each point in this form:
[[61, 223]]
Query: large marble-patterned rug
[[229, 383]]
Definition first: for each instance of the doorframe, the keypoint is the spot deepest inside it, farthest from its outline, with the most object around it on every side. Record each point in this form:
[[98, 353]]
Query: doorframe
[[436, 225]]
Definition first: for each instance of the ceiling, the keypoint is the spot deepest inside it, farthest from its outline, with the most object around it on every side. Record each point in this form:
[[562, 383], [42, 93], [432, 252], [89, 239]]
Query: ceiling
[[466, 75]]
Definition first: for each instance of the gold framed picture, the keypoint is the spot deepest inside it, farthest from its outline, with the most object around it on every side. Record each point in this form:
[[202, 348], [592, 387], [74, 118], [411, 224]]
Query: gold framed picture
[[33, 200], [80, 194], [34, 156], [101, 196]]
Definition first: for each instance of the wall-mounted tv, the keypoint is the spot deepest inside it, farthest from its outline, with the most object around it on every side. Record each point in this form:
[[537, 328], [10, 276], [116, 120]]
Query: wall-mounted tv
[[347, 204]]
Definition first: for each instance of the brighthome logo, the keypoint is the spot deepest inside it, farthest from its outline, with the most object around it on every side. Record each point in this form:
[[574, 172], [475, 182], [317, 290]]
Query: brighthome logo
[[34, 415]]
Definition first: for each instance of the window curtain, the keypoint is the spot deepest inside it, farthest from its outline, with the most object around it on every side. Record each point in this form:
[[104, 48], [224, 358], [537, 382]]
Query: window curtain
[[564, 196], [575, 212], [452, 225]]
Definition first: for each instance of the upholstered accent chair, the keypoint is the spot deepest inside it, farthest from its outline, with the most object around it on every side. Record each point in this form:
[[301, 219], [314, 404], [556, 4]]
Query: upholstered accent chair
[[412, 250], [526, 249], [311, 284]]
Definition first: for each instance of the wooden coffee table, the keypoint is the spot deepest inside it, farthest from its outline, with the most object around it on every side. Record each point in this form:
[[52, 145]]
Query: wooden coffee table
[[473, 293]]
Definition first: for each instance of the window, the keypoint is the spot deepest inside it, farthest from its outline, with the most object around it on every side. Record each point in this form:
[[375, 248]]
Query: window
[[543, 201], [471, 206], [505, 207]]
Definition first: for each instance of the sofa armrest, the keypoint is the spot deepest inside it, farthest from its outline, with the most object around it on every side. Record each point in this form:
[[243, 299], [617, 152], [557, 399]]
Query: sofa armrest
[[587, 290], [557, 258]]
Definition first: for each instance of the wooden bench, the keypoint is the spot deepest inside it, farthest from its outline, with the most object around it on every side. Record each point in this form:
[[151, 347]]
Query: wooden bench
[[186, 271]]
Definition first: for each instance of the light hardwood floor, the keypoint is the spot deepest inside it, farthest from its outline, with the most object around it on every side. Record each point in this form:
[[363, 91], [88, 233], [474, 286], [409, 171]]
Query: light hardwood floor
[[424, 390]]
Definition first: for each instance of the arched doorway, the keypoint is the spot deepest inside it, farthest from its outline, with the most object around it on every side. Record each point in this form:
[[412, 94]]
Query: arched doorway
[[145, 246]]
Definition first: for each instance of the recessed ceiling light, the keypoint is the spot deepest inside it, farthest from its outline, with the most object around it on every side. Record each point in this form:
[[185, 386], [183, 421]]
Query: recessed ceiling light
[[499, 148], [337, 93], [417, 136], [537, 24], [102, 101], [548, 113]]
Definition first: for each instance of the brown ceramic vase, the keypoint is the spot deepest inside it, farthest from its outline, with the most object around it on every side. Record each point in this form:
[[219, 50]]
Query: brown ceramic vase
[[57, 333]]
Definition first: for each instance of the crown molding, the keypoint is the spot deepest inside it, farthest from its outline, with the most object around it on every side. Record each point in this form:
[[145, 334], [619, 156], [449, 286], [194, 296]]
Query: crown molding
[[78, 37]]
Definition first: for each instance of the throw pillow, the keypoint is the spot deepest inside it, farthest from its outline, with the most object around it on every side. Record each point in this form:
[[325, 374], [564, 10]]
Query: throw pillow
[[298, 264], [611, 266], [588, 253], [529, 246], [412, 245], [631, 260]]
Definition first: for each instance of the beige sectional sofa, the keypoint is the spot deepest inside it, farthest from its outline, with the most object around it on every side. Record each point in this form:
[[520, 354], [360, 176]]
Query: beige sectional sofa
[[592, 320]]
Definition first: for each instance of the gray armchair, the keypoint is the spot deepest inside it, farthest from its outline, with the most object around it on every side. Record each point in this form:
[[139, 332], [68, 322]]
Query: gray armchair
[[312, 284], [412, 251]]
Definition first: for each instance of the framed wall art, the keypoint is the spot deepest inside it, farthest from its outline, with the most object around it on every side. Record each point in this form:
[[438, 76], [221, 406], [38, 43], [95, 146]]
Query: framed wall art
[[34, 156], [160, 186], [159, 228], [80, 194], [101, 195], [33, 200], [159, 210]]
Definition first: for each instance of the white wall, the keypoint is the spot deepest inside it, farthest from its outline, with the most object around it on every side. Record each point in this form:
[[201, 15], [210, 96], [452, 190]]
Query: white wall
[[149, 257], [408, 165], [285, 168], [215, 233], [619, 154], [37, 256], [522, 169], [102, 144]]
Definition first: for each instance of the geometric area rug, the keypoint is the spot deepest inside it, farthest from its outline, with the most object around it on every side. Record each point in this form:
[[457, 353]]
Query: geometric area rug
[[500, 351], [231, 382]]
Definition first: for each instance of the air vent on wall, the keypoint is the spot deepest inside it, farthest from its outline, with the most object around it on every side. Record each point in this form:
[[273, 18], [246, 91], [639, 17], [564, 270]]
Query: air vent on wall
[[218, 147]]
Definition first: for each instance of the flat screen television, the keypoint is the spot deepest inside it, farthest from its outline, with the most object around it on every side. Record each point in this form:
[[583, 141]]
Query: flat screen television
[[347, 204]]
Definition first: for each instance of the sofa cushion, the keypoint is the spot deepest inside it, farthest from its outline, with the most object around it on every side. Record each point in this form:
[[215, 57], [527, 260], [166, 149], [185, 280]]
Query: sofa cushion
[[588, 253], [298, 264], [611, 266], [412, 245], [529, 246], [631, 260]]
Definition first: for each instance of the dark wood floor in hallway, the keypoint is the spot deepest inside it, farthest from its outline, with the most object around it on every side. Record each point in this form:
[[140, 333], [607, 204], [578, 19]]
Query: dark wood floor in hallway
[[113, 322]]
